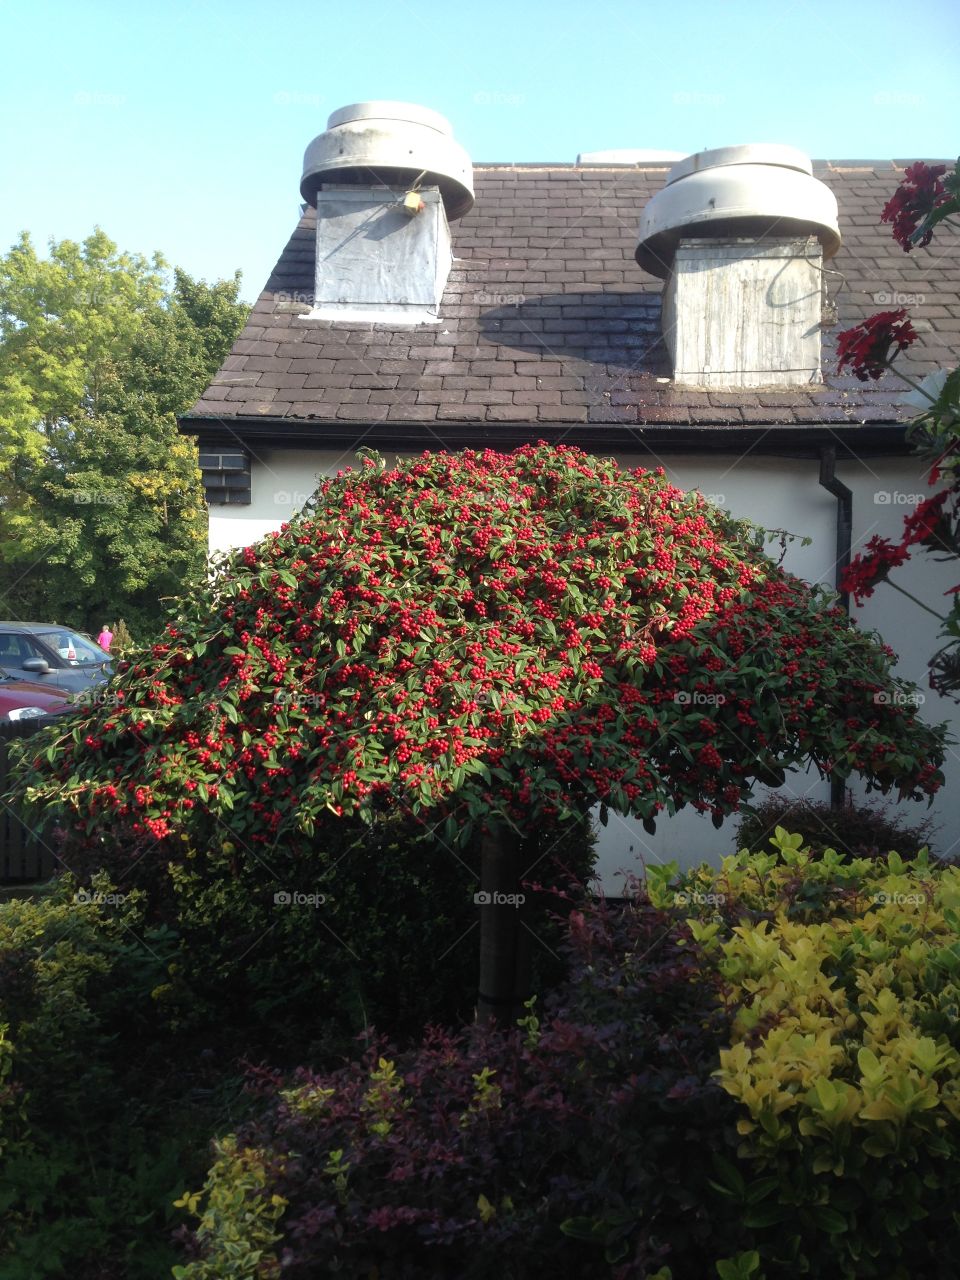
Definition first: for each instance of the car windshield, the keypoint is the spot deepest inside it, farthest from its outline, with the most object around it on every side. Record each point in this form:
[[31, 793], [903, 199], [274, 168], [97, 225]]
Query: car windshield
[[72, 648]]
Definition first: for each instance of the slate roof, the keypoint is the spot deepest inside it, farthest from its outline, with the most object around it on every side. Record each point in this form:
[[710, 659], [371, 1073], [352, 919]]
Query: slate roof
[[548, 321]]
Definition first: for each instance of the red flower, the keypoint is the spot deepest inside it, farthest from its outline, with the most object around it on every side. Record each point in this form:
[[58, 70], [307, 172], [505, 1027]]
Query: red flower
[[913, 202], [865, 571], [867, 346], [928, 525]]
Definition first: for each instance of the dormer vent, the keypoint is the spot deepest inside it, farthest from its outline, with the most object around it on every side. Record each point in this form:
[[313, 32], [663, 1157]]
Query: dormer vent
[[385, 179], [757, 190], [739, 235], [394, 144]]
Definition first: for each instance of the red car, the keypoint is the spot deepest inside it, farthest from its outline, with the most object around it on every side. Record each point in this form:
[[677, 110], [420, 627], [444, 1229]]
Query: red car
[[24, 699]]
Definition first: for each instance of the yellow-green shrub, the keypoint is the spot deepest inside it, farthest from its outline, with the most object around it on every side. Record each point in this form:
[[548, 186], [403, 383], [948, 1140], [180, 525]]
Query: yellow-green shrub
[[237, 1226], [843, 984]]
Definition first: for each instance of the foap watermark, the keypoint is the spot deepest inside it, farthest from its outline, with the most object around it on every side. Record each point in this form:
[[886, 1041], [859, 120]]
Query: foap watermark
[[286, 898], [97, 497], [299, 296], [886, 98], [290, 498], [497, 899], [86, 897], [289, 98], [499, 299], [896, 498], [97, 98], [715, 499], [496, 98], [892, 298], [899, 698], [100, 294], [695, 98], [899, 899], [697, 698], [291, 698], [694, 898], [100, 696]]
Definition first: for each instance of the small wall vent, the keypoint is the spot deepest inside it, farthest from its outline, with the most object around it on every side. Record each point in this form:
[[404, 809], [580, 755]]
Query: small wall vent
[[226, 475]]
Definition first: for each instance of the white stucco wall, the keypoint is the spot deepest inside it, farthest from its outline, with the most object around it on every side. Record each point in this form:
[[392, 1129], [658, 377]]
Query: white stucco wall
[[774, 492], [281, 480]]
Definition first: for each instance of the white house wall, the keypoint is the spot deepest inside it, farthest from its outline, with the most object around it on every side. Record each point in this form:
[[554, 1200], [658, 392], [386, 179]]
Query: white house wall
[[281, 480], [773, 492]]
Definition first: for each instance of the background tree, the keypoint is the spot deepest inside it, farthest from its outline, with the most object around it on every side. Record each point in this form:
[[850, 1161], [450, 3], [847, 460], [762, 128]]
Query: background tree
[[490, 642], [101, 507]]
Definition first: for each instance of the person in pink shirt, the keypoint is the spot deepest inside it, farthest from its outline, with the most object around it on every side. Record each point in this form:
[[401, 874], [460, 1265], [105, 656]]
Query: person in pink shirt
[[105, 638]]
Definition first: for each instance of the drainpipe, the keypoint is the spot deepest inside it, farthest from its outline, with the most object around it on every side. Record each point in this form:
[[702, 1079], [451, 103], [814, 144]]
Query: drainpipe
[[844, 497]]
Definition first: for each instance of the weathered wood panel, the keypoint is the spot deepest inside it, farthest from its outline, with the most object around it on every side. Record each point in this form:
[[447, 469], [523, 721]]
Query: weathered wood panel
[[745, 313]]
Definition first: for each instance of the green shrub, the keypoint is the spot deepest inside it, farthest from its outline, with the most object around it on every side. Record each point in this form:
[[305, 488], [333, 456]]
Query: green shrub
[[239, 1221], [753, 1072], [96, 1120], [123, 641], [483, 1153], [858, 831], [374, 925], [124, 1017]]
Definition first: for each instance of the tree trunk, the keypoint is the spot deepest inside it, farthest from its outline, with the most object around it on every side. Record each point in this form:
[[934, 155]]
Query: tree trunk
[[499, 925], [522, 974]]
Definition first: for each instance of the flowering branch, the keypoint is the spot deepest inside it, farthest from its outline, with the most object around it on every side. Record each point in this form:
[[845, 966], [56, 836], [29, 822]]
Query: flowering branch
[[869, 347], [925, 199], [919, 203]]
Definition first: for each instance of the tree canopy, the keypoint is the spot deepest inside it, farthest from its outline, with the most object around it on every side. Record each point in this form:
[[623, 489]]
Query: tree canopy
[[101, 507], [487, 637]]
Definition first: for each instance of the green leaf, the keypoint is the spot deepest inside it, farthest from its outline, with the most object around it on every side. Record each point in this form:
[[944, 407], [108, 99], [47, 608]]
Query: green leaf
[[729, 1176], [739, 1268], [581, 1228], [766, 1215], [829, 1220], [760, 1189]]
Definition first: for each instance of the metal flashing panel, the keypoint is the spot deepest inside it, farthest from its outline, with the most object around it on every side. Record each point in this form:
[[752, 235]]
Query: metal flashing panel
[[377, 262]]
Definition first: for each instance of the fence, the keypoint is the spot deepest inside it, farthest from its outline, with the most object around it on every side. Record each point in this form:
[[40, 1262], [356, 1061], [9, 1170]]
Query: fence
[[23, 859]]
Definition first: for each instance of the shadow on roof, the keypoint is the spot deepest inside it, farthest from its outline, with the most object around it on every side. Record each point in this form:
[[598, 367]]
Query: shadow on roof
[[614, 329]]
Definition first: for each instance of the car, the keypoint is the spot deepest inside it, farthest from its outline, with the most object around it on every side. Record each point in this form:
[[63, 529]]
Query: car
[[52, 655], [25, 700]]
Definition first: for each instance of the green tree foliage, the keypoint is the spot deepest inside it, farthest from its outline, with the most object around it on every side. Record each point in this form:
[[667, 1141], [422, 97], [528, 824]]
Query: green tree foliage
[[101, 508]]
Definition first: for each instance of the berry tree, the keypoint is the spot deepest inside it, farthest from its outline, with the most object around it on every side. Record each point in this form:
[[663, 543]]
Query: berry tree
[[493, 641]]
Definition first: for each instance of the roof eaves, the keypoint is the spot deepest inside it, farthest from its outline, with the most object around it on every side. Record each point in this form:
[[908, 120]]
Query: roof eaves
[[853, 439]]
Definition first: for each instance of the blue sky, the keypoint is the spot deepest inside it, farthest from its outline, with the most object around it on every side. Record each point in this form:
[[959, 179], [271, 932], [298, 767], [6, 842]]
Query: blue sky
[[181, 126]]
